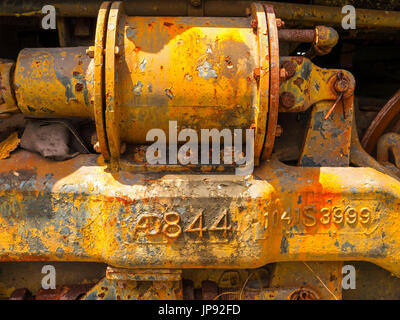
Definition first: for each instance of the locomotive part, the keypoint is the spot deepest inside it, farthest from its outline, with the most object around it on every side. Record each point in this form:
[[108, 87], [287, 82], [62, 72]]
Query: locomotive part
[[145, 71], [245, 236]]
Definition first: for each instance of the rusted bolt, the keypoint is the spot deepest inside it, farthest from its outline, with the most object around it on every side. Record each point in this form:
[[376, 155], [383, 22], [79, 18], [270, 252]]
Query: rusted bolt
[[278, 131], [254, 24], [256, 74], [280, 23], [282, 74], [303, 294], [341, 85], [287, 71], [117, 51], [96, 147], [79, 87], [287, 99], [90, 52]]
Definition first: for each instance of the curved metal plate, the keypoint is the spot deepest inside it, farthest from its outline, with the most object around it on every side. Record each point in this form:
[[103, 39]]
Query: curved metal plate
[[262, 73], [99, 98], [274, 82], [112, 112]]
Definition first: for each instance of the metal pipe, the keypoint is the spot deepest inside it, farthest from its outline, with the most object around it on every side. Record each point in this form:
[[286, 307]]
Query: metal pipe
[[296, 35], [305, 14], [299, 13]]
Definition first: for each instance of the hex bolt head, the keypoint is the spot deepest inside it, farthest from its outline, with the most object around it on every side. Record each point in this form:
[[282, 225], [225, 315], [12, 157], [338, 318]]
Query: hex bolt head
[[287, 99], [278, 131], [90, 52], [117, 51], [254, 24], [282, 74], [280, 23], [287, 71], [341, 85]]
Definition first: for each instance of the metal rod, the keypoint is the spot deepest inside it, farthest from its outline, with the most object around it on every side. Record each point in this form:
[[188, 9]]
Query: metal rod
[[299, 13], [296, 35]]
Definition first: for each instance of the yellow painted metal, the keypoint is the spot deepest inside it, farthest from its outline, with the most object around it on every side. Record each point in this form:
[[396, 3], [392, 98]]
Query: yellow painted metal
[[263, 73], [197, 71], [113, 106], [8, 145], [81, 212], [107, 289], [54, 82], [7, 99], [98, 86], [200, 72], [143, 274], [311, 84], [273, 92]]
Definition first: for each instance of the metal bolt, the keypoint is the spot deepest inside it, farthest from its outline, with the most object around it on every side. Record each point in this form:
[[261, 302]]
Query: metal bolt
[[256, 74], [280, 23], [341, 85], [287, 71], [282, 74], [254, 24], [117, 51], [287, 99], [278, 131], [90, 52]]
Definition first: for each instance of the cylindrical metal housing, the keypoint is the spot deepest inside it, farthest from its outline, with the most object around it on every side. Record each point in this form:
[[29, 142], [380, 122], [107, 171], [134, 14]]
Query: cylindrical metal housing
[[204, 73], [197, 71], [54, 82]]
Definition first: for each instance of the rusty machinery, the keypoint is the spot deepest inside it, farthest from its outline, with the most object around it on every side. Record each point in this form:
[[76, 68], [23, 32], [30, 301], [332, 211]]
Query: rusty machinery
[[156, 223]]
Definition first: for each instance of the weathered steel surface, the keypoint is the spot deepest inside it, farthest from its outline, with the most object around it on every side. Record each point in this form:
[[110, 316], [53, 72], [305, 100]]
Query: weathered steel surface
[[389, 144], [262, 74], [270, 133], [8, 104], [323, 277], [323, 38], [54, 82], [311, 84], [114, 89], [98, 86], [290, 12], [201, 72], [79, 212], [197, 71], [107, 289], [327, 141], [144, 274]]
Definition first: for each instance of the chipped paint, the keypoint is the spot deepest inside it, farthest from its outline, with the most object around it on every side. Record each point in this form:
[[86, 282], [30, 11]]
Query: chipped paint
[[206, 71], [137, 89], [142, 65]]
